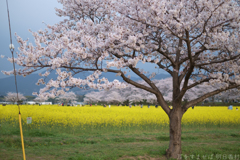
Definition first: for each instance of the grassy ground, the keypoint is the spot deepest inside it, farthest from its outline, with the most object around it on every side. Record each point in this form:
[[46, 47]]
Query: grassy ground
[[56, 143]]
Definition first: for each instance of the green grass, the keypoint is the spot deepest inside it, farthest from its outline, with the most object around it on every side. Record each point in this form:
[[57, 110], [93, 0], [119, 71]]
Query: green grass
[[59, 143]]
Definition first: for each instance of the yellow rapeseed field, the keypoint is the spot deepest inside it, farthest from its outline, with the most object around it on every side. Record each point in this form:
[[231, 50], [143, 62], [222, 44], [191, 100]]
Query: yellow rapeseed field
[[98, 116]]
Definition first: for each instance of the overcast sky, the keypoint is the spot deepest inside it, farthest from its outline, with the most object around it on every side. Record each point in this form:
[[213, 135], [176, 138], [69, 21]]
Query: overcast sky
[[24, 15]]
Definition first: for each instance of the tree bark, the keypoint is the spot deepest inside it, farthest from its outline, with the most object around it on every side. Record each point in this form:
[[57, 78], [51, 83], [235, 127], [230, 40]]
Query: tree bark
[[175, 117]]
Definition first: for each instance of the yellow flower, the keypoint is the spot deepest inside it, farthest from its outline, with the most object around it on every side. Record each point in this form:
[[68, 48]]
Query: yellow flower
[[98, 116]]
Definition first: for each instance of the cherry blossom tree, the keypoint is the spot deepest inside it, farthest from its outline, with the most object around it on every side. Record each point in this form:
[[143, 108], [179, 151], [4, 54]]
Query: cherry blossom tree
[[188, 39], [110, 96], [68, 97], [233, 94], [113, 97], [13, 97], [93, 97], [40, 99], [238, 1]]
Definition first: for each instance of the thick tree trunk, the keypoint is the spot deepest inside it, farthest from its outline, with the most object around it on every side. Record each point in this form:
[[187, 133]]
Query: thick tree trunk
[[175, 118]]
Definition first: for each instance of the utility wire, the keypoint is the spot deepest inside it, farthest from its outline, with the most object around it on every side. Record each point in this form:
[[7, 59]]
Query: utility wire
[[12, 50], [11, 47]]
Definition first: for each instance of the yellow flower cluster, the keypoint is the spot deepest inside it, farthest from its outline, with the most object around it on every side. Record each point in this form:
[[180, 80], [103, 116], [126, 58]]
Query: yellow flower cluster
[[98, 116], [212, 115]]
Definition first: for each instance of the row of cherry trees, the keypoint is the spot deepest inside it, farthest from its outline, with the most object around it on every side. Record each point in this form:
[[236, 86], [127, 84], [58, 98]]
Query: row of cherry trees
[[13, 97], [68, 97], [134, 94]]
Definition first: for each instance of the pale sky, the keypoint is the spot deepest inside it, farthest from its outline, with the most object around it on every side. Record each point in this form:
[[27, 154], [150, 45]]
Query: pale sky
[[25, 15]]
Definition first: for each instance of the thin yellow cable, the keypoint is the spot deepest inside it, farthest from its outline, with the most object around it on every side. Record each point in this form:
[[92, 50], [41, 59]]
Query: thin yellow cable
[[20, 125]]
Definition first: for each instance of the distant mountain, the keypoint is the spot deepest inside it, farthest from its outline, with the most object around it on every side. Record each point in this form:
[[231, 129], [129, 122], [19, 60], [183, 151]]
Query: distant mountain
[[27, 85]]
